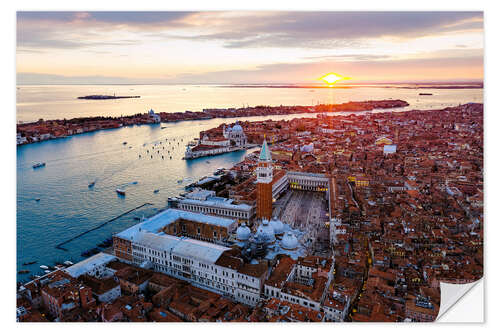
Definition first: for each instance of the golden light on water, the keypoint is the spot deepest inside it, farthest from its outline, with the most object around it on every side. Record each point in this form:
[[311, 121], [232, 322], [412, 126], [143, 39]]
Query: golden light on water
[[332, 78]]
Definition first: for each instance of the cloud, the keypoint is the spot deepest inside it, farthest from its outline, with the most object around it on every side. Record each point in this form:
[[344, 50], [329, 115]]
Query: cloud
[[352, 57], [76, 30], [241, 29], [335, 29], [116, 18]]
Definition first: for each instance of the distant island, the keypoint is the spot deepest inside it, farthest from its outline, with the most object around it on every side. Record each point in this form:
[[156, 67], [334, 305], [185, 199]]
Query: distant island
[[59, 128], [106, 97]]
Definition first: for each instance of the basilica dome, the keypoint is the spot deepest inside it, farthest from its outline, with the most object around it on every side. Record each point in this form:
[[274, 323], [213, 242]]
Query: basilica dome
[[237, 127], [243, 232], [265, 232], [289, 241], [277, 226]]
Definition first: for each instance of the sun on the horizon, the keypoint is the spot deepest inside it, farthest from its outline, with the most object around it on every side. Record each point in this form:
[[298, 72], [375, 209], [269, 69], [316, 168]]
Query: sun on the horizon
[[332, 78]]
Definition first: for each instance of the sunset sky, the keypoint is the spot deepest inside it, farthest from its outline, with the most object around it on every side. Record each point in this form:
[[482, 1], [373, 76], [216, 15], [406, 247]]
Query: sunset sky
[[247, 47]]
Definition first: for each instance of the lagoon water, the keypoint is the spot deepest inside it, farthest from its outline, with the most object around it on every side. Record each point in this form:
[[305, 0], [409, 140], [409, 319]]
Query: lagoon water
[[67, 206]]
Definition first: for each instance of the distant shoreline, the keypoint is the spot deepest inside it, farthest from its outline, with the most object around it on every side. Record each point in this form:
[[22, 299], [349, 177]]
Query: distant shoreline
[[104, 97], [43, 130], [472, 86]]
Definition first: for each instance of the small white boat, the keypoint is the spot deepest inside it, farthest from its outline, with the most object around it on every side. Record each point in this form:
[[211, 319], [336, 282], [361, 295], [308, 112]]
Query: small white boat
[[68, 263], [47, 271], [44, 267], [120, 191]]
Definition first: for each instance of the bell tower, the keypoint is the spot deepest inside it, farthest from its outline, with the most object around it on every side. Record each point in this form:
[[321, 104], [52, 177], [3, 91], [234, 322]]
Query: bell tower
[[264, 183]]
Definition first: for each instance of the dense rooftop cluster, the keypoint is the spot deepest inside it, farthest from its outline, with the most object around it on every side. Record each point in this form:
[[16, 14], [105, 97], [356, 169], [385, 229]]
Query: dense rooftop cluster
[[405, 211], [413, 213]]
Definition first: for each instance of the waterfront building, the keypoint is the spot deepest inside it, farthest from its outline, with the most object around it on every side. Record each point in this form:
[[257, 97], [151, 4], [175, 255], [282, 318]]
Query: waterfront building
[[21, 139], [264, 187], [154, 116], [205, 202], [206, 150], [203, 264], [178, 223], [223, 142], [233, 139], [93, 266]]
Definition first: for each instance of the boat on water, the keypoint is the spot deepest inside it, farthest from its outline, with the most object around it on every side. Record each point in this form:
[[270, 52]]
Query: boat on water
[[37, 199], [92, 184], [47, 271], [219, 171], [44, 267], [135, 182], [29, 263], [38, 165], [68, 263], [120, 191], [23, 271]]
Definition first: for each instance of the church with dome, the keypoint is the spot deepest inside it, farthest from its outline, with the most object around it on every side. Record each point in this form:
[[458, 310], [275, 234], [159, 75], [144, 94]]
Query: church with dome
[[235, 135], [233, 139], [270, 239]]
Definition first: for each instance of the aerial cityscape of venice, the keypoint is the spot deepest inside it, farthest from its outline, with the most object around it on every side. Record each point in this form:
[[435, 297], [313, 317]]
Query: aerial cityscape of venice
[[238, 166]]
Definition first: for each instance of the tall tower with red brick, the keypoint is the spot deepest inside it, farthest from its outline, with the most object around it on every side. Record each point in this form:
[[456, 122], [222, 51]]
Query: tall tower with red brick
[[264, 183]]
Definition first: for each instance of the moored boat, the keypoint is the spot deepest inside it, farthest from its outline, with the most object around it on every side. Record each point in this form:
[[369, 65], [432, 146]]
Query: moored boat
[[120, 191], [44, 267], [38, 165]]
